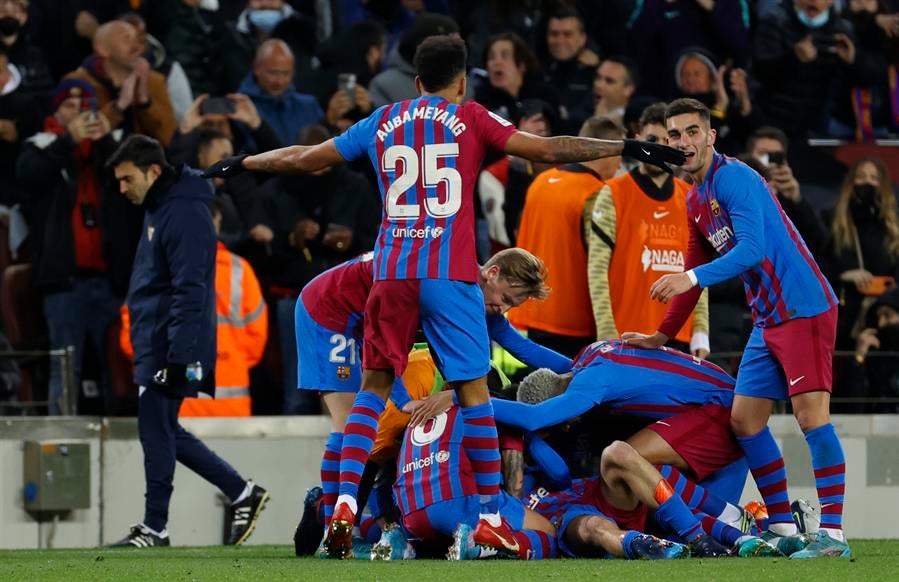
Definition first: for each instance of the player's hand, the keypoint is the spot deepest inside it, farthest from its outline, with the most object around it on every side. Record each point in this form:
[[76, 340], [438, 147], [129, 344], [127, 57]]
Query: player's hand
[[642, 340], [226, 168], [670, 285], [431, 407], [653, 153]]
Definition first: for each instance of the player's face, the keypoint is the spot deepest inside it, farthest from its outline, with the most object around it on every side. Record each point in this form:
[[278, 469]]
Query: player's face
[[688, 133], [655, 133], [499, 295], [134, 183]]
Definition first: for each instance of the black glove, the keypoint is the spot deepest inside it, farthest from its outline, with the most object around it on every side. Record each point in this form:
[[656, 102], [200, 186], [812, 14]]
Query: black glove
[[653, 153], [226, 168]]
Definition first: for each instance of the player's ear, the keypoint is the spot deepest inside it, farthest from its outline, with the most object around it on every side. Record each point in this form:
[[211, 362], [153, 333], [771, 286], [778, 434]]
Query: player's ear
[[713, 135], [418, 86], [463, 85]]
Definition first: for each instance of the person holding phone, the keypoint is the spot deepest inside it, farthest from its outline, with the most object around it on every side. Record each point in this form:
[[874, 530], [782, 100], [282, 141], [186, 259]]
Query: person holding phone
[[864, 248]]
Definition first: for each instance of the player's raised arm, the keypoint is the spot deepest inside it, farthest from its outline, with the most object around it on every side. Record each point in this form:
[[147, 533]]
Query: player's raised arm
[[566, 148], [292, 159]]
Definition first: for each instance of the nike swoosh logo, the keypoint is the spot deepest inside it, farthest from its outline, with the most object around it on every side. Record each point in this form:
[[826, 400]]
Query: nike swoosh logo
[[644, 151], [554, 180], [698, 217], [658, 215], [225, 169], [663, 422], [795, 380]]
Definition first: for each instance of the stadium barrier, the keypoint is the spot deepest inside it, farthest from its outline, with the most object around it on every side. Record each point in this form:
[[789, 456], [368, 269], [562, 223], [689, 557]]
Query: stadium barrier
[[283, 454]]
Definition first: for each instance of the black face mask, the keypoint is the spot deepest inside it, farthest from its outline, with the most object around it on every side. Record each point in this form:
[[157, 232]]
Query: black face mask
[[863, 204], [9, 26], [889, 338]]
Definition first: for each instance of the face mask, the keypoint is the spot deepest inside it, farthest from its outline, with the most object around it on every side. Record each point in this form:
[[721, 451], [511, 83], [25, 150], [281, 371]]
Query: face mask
[[865, 194], [816, 22], [8, 26], [265, 20]]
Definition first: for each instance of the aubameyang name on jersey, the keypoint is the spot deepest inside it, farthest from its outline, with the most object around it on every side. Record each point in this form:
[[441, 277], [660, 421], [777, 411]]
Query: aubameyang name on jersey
[[437, 114], [720, 237]]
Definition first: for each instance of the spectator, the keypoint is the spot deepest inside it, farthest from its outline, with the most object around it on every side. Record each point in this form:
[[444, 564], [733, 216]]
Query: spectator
[[768, 145], [636, 232], [570, 67], [151, 49], [665, 29], [725, 91], [554, 227], [17, 122], [879, 374], [864, 243], [83, 234], [397, 81], [800, 50], [614, 85], [270, 86], [242, 37], [212, 147], [29, 60], [512, 77], [10, 381], [130, 95], [316, 220], [193, 43], [171, 300]]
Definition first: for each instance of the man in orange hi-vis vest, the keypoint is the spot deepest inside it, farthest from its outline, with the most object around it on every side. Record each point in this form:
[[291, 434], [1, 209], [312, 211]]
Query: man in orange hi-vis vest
[[240, 335], [639, 232], [554, 226]]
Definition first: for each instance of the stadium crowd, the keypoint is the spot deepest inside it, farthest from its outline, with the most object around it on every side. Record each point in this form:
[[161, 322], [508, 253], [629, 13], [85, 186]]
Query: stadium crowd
[[208, 78]]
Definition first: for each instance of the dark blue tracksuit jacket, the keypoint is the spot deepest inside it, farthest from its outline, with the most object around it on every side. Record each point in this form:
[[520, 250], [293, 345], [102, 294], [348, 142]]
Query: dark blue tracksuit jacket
[[171, 297]]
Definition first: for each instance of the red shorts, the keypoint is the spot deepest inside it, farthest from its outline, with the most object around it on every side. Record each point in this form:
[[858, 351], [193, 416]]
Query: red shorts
[[702, 437], [391, 320]]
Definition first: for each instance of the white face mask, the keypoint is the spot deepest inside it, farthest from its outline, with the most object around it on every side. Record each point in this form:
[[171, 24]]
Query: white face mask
[[764, 159], [816, 22]]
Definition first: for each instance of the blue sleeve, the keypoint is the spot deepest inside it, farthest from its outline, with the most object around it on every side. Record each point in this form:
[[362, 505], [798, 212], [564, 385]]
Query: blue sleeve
[[551, 412], [532, 354], [189, 241], [354, 142], [740, 191], [398, 394], [551, 464]]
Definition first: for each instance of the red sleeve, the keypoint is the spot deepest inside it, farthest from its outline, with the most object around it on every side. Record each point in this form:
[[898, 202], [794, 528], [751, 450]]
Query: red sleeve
[[493, 130], [698, 253]]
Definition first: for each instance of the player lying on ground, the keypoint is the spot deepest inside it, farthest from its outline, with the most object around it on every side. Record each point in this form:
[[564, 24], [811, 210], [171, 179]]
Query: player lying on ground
[[427, 153]]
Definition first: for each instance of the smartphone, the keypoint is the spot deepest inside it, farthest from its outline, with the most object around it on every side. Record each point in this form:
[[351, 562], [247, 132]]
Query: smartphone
[[346, 82], [776, 158], [878, 285], [220, 105]]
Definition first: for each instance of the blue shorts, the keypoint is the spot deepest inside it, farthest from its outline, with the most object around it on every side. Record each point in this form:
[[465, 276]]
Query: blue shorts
[[442, 518], [451, 313], [327, 360]]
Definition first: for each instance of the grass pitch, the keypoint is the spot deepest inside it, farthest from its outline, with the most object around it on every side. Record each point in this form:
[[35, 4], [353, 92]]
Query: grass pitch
[[873, 560]]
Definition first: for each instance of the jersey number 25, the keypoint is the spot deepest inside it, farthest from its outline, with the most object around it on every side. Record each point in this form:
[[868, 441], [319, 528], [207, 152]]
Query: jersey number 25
[[431, 176]]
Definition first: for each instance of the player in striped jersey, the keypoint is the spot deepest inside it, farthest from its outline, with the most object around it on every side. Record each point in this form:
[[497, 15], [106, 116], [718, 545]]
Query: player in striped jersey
[[738, 228], [427, 153]]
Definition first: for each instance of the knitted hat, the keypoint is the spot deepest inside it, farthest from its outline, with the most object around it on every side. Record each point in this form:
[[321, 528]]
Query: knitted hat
[[72, 88]]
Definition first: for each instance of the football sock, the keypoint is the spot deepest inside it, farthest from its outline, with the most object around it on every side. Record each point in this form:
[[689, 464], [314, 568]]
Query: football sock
[[482, 447], [358, 440], [829, 464], [674, 513], [767, 465], [330, 473]]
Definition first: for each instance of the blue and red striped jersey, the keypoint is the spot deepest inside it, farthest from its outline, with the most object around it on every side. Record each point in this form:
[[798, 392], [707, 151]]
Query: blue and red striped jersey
[[651, 383], [336, 298], [427, 153], [740, 229], [432, 465]]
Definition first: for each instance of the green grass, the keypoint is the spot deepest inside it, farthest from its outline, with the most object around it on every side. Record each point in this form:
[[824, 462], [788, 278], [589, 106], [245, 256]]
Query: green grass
[[874, 560]]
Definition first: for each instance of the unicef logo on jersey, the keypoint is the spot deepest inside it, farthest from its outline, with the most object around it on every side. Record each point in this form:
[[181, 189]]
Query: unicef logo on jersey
[[426, 232]]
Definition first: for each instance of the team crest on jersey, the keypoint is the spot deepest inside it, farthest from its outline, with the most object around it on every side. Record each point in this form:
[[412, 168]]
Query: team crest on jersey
[[343, 372], [716, 210], [150, 231]]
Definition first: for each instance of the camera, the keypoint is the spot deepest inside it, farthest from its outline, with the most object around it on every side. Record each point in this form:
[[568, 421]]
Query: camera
[[220, 105], [346, 82], [776, 158]]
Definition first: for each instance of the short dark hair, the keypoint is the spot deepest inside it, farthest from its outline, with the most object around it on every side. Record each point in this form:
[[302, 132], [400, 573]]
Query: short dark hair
[[602, 128], [141, 150], [630, 68], [688, 105], [770, 132], [439, 60], [366, 34], [564, 11], [313, 134], [521, 52], [653, 115]]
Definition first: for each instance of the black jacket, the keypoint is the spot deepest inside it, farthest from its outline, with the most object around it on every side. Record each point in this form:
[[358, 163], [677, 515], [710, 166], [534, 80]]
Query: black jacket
[[172, 293], [46, 168]]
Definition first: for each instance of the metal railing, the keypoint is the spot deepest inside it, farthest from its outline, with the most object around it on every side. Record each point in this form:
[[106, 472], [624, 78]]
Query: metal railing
[[68, 398]]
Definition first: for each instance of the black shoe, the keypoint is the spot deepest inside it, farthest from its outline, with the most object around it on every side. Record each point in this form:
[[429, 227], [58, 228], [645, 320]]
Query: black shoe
[[244, 515], [705, 546], [141, 537], [308, 534]]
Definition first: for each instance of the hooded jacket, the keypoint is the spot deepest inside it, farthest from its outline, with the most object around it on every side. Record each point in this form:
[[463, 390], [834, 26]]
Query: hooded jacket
[[172, 293], [287, 113]]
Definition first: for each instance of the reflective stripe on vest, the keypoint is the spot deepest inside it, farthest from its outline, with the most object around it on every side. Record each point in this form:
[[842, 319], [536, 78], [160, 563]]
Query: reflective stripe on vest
[[236, 282]]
